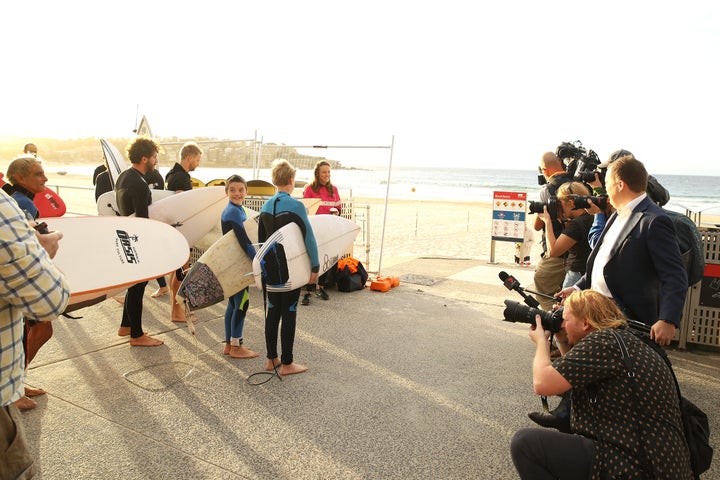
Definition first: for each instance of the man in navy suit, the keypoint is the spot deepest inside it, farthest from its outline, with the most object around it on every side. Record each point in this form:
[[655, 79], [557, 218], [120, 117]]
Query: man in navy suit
[[637, 259]]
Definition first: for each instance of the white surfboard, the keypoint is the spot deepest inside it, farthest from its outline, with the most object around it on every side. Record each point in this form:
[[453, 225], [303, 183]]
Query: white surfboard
[[222, 271], [115, 161], [207, 241], [284, 260], [85, 300], [100, 253], [107, 202], [193, 212]]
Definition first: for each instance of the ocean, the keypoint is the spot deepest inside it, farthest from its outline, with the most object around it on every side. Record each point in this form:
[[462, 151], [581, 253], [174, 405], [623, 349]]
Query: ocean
[[696, 193]]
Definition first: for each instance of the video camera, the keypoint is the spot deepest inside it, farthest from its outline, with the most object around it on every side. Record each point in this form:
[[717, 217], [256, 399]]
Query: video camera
[[582, 164]]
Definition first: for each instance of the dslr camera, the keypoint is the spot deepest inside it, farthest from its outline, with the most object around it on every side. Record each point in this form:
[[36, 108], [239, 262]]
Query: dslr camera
[[553, 206], [583, 201], [518, 313]]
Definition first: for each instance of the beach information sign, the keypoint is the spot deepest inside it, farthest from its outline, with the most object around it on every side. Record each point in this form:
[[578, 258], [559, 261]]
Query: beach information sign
[[508, 223]]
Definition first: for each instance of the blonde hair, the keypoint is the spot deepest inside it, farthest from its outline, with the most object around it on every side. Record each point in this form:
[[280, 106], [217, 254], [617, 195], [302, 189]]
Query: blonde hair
[[282, 172], [190, 148], [572, 188], [599, 311]]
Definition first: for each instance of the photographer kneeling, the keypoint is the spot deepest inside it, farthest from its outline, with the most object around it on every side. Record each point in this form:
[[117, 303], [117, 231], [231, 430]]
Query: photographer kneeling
[[622, 427]]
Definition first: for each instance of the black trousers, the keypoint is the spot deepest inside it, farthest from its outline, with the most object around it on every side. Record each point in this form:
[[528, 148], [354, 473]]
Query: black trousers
[[281, 306], [540, 454], [132, 309]]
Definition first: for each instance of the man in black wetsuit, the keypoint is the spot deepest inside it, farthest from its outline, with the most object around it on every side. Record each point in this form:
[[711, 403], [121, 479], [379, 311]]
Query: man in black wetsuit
[[133, 196], [178, 180]]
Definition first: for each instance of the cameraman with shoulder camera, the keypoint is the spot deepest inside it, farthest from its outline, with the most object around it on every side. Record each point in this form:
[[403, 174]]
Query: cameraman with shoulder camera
[[614, 434], [550, 271], [637, 260]]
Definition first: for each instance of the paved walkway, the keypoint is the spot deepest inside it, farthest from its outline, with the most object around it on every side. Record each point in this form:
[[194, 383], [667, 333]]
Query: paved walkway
[[425, 381]]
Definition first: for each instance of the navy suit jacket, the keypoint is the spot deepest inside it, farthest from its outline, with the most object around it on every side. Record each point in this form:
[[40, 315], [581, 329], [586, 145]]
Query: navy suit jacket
[[645, 272]]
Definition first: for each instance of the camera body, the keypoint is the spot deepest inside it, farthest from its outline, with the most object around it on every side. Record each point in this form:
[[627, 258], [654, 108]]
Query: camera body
[[518, 313], [583, 201], [553, 206]]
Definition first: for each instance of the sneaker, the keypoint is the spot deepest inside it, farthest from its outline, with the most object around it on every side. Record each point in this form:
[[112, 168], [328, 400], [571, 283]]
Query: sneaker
[[322, 294], [306, 299]]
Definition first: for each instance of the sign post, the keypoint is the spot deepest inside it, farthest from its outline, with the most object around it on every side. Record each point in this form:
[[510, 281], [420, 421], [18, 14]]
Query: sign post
[[508, 220]]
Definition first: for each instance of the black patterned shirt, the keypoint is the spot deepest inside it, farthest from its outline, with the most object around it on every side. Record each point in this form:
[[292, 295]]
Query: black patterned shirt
[[606, 409]]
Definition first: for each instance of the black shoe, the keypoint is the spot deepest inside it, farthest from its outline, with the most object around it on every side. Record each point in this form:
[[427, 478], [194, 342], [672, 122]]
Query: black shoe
[[306, 299], [322, 294], [558, 418]]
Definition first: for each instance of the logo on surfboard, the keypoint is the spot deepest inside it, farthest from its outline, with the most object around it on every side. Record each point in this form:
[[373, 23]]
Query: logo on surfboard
[[124, 244]]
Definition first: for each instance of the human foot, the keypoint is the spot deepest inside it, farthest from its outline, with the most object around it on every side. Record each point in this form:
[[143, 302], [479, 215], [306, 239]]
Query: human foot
[[226, 349], [292, 369], [24, 403], [123, 331], [160, 292], [34, 392], [242, 352], [145, 341], [178, 315], [272, 363]]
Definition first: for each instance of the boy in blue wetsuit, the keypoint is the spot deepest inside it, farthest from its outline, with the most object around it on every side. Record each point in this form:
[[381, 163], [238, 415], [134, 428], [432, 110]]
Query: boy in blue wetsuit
[[280, 210], [232, 219]]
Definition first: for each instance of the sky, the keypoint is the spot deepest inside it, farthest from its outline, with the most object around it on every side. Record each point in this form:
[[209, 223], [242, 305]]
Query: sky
[[449, 84]]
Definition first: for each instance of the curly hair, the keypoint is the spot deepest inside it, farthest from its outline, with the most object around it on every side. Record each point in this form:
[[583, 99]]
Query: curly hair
[[141, 147], [599, 311]]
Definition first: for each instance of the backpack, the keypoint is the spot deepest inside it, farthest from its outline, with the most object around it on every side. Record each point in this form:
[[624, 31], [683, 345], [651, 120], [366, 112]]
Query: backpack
[[694, 421], [691, 245], [350, 275]]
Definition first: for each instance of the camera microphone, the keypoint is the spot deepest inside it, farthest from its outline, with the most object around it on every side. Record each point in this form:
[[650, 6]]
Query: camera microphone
[[509, 281]]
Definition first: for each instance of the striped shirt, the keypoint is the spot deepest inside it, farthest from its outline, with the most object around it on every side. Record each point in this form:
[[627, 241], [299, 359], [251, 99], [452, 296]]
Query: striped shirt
[[31, 287]]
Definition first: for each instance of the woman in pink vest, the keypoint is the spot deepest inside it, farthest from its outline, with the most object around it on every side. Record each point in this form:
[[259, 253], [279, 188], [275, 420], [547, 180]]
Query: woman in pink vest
[[322, 188]]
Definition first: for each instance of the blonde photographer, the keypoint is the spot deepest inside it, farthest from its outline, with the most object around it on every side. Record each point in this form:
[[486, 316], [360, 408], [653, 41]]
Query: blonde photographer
[[614, 435]]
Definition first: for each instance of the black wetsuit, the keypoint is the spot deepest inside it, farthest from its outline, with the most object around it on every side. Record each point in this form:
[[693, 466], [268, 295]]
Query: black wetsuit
[[133, 196], [178, 179]]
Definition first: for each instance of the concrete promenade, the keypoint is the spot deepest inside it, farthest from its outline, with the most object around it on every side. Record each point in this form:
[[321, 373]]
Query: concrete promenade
[[423, 382]]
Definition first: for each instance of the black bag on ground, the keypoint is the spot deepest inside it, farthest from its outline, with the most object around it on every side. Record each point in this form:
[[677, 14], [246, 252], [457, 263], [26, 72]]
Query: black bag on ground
[[697, 433], [349, 282]]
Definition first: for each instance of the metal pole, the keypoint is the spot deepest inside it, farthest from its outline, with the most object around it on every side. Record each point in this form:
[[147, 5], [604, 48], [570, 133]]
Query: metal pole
[[387, 195]]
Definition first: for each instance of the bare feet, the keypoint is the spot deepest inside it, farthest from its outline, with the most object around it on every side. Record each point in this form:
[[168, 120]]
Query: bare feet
[[160, 292], [178, 314], [24, 403], [271, 364], [123, 331], [242, 352], [292, 369], [34, 392], [145, 341], [226, 349]]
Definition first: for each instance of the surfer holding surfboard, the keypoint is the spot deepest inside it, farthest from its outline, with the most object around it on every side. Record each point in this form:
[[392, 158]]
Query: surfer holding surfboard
[[178, 180], [133, 196], [281, 209], [232, 219]]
